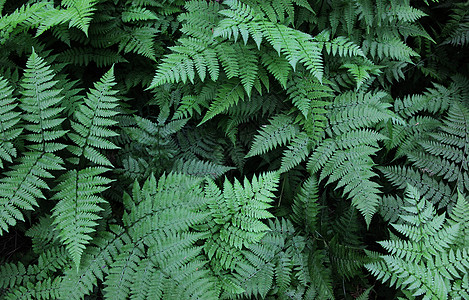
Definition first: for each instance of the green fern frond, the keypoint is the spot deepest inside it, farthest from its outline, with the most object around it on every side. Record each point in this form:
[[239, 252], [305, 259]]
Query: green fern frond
[[406, 13], [76, 213], [9, 119], [393, 49], [83, 56], [446, 154], [425, 262], [194, 103], [309, 97], [357, 110], [94, 264], [200, 168], [409, 105], [40, 240], [193, 55], [46, 289], [430, 188], [136, 13], [460, 215], [21, 16], [228, 95], [407, 137], [122, 271], [13, 274], [296, 152], [305, 205], [341, 46], [361, 72], [456, 29], [295, 45], [391, 208], [278, 66], [139, 40], [93, 120], [23, 184], [41, 105], [346, 260], [280, 131], [248, 58], [322, 275], [81, 12], [346, 158], [237, 213]]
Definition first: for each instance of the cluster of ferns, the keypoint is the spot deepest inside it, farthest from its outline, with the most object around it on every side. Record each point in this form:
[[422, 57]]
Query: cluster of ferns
[[235, 149]]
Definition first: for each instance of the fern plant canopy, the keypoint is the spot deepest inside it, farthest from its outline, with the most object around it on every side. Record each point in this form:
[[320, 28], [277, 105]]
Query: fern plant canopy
[[234, 149]]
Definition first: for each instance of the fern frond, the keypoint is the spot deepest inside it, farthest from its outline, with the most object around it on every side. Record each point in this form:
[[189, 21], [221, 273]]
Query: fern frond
[[23, 184], [46, 289], [228, 95], [139, 40], [136, 13], [200, 168], [460, 215], [280, 131], [322, 275], [340, 46], [193, 55], [309, 97], [81, 12], [357, 110], [76, 213], [248, 58], [426, 262], [19, 18], [43, 234], [277, 65], [40, 103], [346, 158], [9, 119], [296, 152], [83, 56], [194, 103], [305, 205], [407, 13], [295, 45], [237, 213], [94, 264], [456, 29], [393, 49], [430, 188], [93, 120], [447, 153]]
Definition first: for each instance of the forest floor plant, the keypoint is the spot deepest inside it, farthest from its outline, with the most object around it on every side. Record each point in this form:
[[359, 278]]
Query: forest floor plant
[[236, 149]]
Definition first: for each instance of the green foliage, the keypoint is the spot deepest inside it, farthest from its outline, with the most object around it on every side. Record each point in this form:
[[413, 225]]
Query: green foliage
[[237, 149], [428, 261]]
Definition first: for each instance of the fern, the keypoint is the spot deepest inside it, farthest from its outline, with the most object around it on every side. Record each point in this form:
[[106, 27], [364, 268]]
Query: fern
[[345, 157], [278, 133], [418, 262], [93, 120], [327, 110], [23, 184], [9, 119], [447, 153], [76, 212]]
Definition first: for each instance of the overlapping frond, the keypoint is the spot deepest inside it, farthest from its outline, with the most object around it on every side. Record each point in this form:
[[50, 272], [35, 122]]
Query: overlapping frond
[[93, 121], [23, 184], [426, 262], [9, 119]]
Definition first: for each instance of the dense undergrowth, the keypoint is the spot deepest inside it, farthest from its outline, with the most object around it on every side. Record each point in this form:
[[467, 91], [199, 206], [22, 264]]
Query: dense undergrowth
[[281, 149]]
